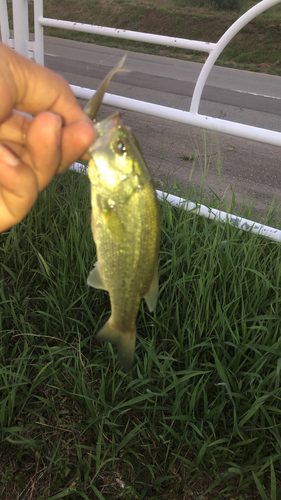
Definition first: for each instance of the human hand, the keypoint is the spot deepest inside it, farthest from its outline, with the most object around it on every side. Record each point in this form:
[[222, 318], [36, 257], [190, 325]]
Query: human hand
[[34, 150]]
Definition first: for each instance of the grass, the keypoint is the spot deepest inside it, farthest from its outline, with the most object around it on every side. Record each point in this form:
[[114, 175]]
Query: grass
[[199, 415], [257, 47]]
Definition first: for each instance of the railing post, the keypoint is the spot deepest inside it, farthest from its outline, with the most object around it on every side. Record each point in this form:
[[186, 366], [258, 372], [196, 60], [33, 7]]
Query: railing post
[[21, 26], [4, 23], [38, 32]]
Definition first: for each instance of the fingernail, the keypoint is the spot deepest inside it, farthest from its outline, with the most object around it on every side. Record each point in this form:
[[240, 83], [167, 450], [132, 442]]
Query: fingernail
[[8, 157]]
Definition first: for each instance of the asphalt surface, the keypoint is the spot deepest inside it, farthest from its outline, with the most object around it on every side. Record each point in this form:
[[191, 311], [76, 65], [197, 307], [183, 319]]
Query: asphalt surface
[[220, 163]]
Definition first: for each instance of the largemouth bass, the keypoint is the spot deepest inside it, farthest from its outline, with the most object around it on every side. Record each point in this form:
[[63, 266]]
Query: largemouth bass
[[125, 225]]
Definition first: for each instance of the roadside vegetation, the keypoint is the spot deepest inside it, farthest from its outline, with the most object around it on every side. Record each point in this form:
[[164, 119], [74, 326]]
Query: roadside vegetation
[[257, 47], [199, 415]]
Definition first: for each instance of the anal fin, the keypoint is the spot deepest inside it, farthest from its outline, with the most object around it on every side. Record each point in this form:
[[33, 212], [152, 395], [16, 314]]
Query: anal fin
[[151, 296], [94, 279]]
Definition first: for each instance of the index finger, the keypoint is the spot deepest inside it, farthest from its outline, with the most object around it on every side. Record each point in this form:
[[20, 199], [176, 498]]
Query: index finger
[[30, 87]]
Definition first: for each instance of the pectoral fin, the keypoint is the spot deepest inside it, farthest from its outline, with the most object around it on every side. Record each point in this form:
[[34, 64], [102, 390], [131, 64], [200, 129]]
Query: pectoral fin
[[152, 294], [125, 344], [114, 226], [108, 211], [94, 279]]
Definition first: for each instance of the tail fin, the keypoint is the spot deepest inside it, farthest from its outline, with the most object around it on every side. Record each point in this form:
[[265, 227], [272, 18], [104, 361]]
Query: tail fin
[[125, 344]]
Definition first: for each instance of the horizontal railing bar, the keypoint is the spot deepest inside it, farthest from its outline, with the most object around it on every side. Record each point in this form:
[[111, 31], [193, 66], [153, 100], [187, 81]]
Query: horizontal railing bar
[[169, 41], [209, 213], [197, 120], [220, 216]]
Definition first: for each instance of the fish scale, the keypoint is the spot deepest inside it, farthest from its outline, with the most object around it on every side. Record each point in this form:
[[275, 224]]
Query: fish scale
[[125, 226], [134, 248]]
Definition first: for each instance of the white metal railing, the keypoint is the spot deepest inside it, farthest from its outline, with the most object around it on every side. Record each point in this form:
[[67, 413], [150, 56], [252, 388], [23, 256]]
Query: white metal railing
[[34, 49], [207, 212]]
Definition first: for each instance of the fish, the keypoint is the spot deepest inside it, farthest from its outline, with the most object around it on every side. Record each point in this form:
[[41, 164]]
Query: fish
[[125, 224]]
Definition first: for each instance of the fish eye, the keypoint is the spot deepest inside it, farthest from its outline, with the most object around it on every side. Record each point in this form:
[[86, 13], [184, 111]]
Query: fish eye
[[120, 147]]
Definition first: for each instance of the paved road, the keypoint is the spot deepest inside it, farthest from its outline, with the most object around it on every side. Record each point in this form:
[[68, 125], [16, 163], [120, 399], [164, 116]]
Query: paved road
[[219, 161]]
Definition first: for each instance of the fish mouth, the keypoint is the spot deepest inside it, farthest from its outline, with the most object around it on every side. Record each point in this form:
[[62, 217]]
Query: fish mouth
[[105, 130], [100, 143]]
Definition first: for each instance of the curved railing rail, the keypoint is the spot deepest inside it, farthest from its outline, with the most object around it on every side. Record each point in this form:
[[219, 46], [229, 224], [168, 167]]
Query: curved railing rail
[[34, 49], [222, 43]]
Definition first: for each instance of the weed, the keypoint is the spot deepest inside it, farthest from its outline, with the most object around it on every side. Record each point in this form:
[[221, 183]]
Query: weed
[[200, 410]]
